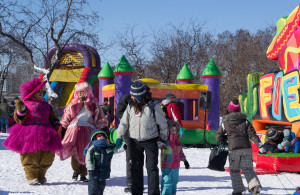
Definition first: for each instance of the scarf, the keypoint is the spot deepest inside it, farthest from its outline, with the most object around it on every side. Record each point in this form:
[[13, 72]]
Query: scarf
[[100, 143]]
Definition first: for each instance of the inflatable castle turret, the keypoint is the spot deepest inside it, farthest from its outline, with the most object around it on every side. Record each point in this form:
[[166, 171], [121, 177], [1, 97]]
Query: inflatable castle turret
[[211, 76], [186, 77], [106, 77], [123, 76]]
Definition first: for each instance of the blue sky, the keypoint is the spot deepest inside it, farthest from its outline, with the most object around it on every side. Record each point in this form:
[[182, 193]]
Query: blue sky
[[218, 15]]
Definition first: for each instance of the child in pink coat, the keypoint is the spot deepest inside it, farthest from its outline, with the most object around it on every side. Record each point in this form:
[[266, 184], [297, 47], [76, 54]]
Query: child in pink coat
[[171, 156]]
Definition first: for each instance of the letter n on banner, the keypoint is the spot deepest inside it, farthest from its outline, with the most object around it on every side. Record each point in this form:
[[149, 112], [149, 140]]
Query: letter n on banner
[[290, 85], [265, 94]]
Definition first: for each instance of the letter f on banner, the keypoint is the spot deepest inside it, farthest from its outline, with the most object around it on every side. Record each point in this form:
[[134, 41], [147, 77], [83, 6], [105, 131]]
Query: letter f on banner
[[265, 94]]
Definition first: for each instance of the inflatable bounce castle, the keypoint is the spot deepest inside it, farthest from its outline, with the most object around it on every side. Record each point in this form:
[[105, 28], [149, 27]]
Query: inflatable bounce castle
[[273, 98], [116, 83]]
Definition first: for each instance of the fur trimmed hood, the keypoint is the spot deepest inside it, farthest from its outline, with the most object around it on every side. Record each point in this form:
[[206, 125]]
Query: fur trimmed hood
[[95, 132]]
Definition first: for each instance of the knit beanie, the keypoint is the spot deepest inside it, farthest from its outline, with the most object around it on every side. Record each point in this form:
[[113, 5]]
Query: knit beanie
[[272, 134], [99, 134], [286, 132], [138, 90], [234, 106]]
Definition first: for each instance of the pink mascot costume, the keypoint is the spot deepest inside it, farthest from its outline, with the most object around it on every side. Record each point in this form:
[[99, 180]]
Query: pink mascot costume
[[35, 135], [81, 116]]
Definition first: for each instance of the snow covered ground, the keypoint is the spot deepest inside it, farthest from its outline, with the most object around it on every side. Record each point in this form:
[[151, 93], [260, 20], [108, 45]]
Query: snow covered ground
[[196, 180]]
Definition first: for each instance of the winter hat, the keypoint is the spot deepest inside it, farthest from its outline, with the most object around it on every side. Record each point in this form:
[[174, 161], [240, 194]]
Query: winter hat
[[96, 132], [28, 88], [138, 90], [170, 95], [272, 134], [172, 124], [99, 134], [234, 106], [286, 132]]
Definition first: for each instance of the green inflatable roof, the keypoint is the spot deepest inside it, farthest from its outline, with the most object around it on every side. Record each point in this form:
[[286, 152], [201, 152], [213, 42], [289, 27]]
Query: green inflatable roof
[[123, 66], [106, 71], [211, 69], [185, 73]]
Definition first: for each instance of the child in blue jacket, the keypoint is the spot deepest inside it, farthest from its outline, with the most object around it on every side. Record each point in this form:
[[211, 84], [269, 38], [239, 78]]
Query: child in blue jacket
[[98, 160]]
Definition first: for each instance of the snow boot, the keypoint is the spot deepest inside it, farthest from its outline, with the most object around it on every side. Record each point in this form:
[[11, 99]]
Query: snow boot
[[83, 178], [128, 189], [33, 182], [237, 193], [42, 180], [256, 189], [75, 176]]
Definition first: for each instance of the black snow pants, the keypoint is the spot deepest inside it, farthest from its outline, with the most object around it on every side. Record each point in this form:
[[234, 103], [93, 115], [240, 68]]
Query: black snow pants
[[96, 186], [137, 154]]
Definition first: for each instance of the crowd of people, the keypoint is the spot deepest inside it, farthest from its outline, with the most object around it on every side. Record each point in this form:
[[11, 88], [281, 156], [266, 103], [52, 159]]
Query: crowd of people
[[83, 135], [146, 126]]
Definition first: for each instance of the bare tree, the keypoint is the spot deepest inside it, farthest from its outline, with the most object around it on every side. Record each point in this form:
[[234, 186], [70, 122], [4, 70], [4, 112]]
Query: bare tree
[[134, 47], [238, 54], [36, 25], [10, 54], [179, 45], [4, 67]]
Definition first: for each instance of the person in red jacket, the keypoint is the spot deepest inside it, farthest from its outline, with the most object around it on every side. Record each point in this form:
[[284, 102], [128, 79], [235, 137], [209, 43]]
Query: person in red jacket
[[172, 111]]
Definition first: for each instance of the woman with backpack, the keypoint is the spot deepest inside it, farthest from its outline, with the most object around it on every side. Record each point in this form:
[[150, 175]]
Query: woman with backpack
[[144, 127]]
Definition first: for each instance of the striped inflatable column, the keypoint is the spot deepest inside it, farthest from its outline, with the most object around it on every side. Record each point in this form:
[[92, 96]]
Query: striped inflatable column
[[186, 77], [211, 76], [123, 76], [106, 77]]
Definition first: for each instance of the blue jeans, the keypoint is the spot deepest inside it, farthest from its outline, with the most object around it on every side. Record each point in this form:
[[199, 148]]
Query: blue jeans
[[169, 181], [4, 121]]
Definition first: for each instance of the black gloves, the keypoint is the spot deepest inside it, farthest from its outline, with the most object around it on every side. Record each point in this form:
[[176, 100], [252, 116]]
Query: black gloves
[[161, 144], [186, 164]]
